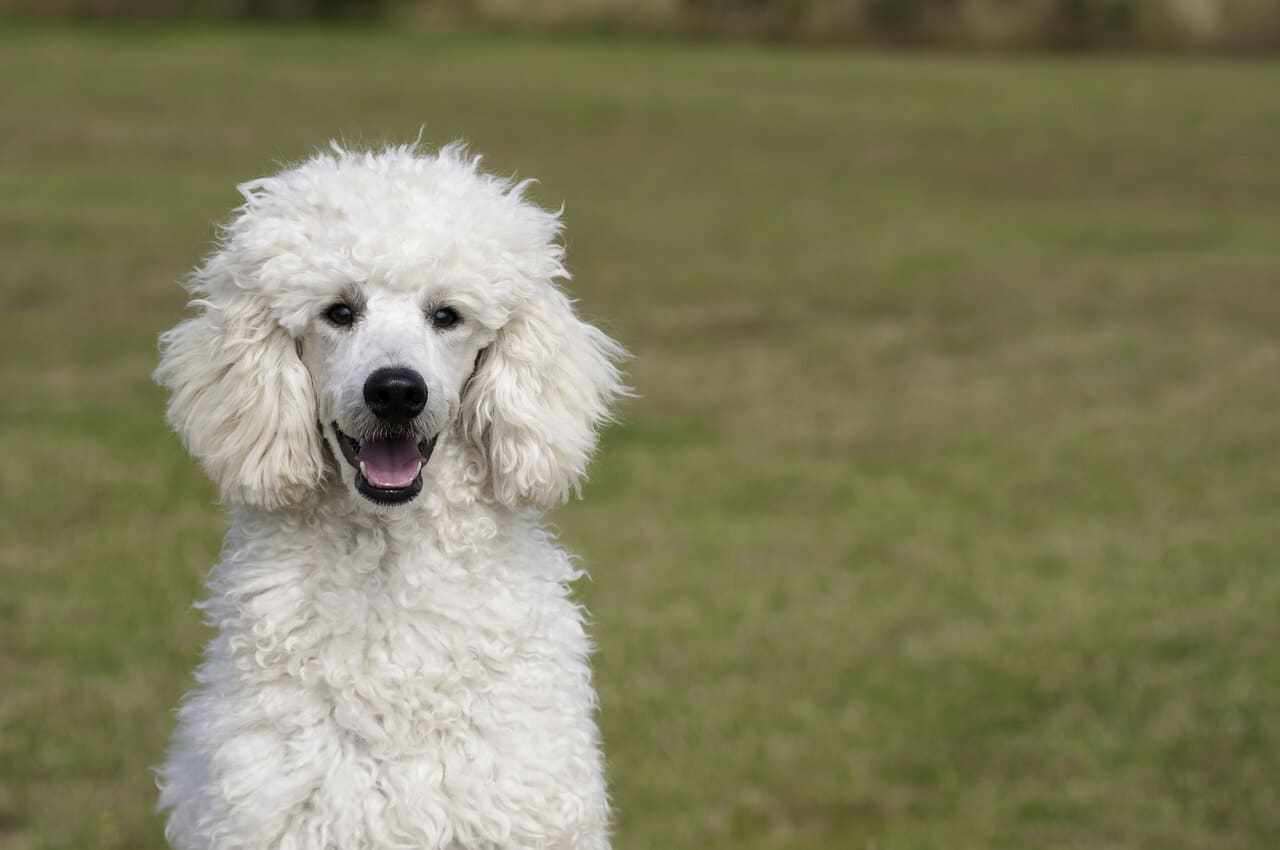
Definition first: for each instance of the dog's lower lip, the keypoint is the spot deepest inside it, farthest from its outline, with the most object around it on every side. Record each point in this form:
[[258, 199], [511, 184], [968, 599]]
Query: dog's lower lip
[[389, 495]]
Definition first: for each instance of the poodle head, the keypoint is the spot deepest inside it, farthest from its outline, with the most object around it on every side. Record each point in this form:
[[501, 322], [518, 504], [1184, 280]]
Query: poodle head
[[363, 307]]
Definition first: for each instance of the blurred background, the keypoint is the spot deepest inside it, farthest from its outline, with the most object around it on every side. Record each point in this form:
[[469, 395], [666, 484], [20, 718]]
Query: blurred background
[[946, 515], [1017, 24]]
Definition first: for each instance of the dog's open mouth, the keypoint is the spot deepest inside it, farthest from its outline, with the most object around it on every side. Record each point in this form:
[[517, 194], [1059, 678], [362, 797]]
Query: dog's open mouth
[[388, 468]]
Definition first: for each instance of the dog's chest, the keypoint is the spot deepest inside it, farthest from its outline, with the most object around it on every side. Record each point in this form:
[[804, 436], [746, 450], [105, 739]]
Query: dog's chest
[[428, 663], [404, 650], [456, 698]]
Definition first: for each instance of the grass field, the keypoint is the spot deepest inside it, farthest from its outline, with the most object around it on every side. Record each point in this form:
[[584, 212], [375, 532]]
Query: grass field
[[946, 517]]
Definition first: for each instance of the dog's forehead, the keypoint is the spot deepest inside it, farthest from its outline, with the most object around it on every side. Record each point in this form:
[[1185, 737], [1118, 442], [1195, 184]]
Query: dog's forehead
[[382, 299], [432, 226]]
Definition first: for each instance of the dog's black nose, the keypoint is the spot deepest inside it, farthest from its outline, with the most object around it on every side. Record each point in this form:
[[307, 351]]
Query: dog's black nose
[[395, 395]]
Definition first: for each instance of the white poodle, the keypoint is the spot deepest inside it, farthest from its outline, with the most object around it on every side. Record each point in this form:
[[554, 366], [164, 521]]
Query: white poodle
[[389, 389]]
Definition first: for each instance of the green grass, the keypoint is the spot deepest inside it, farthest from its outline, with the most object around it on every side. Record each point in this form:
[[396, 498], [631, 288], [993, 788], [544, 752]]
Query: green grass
[[947, 514]]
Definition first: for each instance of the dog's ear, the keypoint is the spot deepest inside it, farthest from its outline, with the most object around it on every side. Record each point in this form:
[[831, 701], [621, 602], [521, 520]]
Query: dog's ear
[[242, 400], [537, 398]]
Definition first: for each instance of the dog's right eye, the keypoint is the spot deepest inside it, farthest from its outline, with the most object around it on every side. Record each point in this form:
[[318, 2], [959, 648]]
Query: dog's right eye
[[340, 314]]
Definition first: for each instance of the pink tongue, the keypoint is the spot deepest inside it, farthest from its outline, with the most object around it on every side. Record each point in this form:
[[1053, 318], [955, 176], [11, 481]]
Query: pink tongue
[[392, 462]]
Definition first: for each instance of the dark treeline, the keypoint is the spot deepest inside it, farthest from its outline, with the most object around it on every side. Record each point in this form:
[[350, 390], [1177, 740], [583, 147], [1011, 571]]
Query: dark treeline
[[1012, 24]]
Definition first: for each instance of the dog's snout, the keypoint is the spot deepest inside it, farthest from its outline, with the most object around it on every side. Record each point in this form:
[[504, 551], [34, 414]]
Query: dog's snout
[[395, 395]]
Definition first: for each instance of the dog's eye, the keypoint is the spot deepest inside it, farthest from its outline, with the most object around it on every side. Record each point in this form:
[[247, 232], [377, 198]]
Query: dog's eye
[[445, 317], [340, 314]]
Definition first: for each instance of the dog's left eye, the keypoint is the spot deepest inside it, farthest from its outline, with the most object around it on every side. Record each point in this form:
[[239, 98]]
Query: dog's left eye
[[445, 317], [340, 314]]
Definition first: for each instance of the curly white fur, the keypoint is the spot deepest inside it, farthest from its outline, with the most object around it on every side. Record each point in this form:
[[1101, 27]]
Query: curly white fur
[[404, 676]]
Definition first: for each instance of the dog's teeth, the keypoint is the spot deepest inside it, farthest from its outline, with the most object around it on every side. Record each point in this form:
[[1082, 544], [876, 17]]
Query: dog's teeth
[[363, 472]]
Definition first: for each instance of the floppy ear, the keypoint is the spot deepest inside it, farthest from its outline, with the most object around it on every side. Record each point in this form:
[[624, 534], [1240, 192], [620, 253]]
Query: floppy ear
[[242, 400], [539, 394]]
